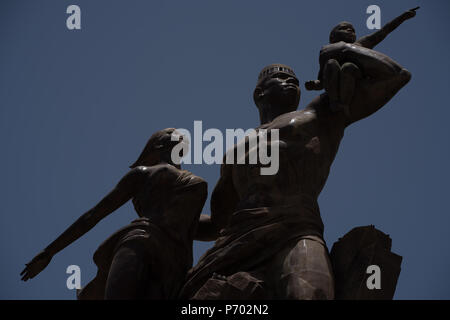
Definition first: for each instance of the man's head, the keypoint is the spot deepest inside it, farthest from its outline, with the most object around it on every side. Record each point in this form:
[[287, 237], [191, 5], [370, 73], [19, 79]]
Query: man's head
[[344, 31], [159, 148], [277, 91]]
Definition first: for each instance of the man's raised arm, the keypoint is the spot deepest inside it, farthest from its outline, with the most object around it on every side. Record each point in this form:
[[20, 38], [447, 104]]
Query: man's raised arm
[[381, 80]]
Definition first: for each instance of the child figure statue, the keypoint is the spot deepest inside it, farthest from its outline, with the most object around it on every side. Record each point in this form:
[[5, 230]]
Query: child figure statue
[[345, 73], [149, 258]]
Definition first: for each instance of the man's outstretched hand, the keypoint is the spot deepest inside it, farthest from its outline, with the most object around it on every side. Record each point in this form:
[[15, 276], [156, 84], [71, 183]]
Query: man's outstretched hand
[[35, 266]]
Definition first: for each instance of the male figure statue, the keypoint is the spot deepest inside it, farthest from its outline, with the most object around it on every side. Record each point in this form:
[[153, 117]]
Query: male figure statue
[[268, 227]]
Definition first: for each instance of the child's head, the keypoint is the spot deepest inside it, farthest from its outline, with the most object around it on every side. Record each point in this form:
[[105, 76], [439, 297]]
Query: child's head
[[344, 31]]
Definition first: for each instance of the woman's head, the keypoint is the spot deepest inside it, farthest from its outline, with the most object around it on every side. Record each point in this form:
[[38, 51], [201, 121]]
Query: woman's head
[[159, 148]]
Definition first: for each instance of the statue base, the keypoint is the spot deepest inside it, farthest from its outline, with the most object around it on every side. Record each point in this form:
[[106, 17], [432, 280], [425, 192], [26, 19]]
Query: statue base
[[351, 256]]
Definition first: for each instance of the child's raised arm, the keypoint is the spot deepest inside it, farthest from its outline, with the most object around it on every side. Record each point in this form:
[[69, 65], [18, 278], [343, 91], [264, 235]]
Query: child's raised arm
[[371, 40]]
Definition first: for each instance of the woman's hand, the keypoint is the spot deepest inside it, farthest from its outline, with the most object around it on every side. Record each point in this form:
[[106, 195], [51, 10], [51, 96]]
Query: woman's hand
[[35, 266]]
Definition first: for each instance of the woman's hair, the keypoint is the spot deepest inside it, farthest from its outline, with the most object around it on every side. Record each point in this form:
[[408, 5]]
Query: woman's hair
[[159, 141]]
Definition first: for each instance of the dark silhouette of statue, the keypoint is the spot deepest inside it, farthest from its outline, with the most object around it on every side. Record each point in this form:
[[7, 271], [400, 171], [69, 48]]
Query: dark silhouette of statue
[[268, 228], [350, 257], [149, 258], [348, 72]]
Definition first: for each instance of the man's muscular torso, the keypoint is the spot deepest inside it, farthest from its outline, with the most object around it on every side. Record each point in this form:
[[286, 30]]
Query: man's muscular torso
[[308, 142]]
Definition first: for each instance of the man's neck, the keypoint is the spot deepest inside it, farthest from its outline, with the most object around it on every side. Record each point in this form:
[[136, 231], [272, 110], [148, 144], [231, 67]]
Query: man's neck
[[269, 113]]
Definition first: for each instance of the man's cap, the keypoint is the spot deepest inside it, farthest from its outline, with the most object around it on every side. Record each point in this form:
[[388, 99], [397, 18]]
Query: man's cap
[[274, 68]]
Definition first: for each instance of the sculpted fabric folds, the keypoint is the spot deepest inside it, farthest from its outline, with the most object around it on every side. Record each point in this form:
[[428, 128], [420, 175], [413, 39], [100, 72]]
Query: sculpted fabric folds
[[254, 235]]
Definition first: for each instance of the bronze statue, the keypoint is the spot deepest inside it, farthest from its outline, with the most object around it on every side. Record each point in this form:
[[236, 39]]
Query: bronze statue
[[268, 227], [149, 258], [344, 72]]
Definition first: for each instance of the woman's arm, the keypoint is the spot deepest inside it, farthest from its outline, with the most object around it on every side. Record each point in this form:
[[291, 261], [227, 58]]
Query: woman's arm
[[124, 191]]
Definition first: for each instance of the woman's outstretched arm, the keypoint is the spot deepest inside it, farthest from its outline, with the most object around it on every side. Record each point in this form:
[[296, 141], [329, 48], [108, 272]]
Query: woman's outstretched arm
[[124, 191]]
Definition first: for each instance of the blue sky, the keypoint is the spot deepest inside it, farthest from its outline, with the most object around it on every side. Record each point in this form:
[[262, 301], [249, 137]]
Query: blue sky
[[77, 107]]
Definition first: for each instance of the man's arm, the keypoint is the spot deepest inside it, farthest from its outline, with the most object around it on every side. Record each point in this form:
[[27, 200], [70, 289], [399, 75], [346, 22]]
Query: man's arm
[[124, 191], [371, 40], [223, 202], [381, 80]]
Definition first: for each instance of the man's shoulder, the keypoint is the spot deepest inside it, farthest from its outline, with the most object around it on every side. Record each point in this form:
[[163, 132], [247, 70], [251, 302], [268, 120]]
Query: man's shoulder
[[291, 118], [154, 170]]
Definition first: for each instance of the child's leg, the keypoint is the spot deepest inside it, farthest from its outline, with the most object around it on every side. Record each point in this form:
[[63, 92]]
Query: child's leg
[[350, 73], [331, 79]]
